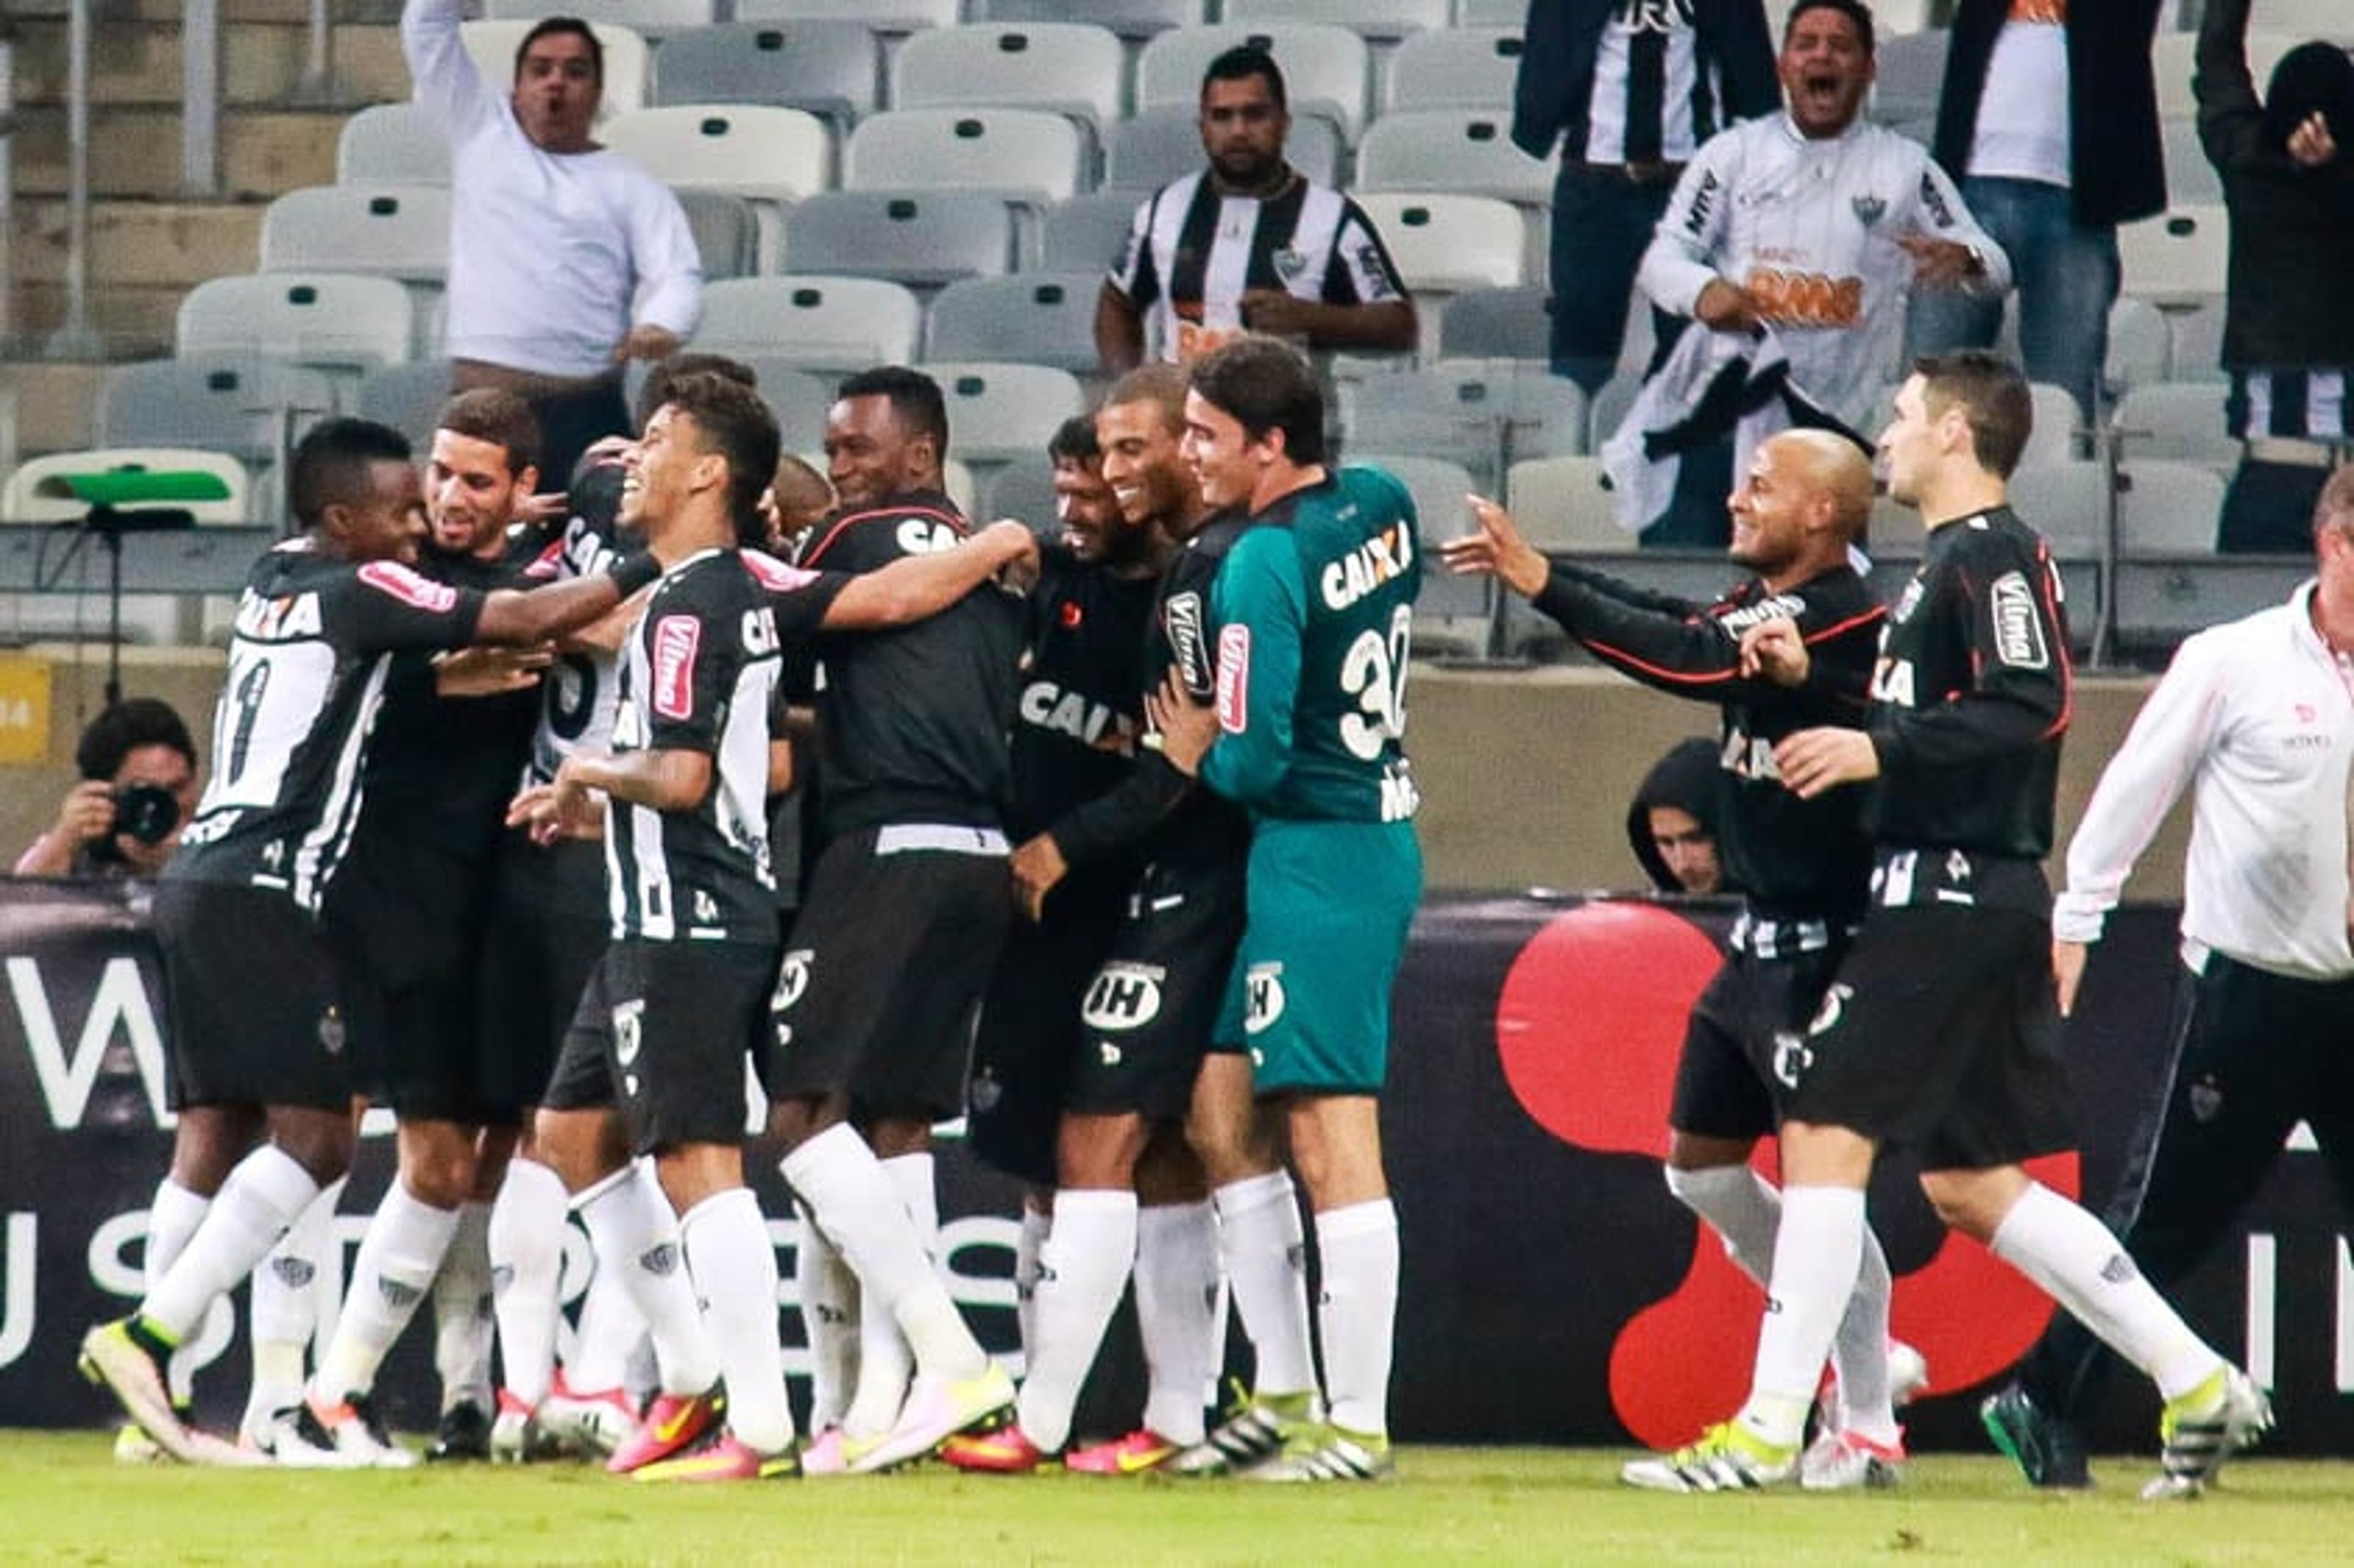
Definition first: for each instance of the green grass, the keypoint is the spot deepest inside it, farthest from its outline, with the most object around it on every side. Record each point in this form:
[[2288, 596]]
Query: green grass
[[63, 1499]]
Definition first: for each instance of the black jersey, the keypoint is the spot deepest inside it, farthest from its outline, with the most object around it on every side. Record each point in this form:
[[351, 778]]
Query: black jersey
[[1795, 859], [1970, 698], [913, 722], [1082, 701], [307, 667], [698, 676]]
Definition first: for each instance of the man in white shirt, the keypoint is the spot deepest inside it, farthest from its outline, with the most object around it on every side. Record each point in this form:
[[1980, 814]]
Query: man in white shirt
[[2257, 718], [566, 262]]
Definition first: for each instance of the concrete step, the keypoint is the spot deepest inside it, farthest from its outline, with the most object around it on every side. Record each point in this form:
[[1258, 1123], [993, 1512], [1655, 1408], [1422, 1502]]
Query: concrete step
[[292, 13], [139, 244], [57, 405], [135, 320], [136, 152], [262, 63]]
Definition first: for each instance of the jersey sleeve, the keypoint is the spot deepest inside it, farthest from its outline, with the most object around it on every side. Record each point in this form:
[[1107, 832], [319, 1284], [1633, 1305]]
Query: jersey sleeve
[[799, 597], [385, 605], [1133, 276], [2230, 117], [1260, 605], [2019, 691], [1686, 248], [1361, 273], [1943, 214]]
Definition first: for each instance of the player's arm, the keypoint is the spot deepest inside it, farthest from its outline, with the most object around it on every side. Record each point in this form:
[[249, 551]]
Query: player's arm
[[917, 587], [443, 74], [2022, 690], [541, 614], [1679, 270], [670, 779], [1261, 611]]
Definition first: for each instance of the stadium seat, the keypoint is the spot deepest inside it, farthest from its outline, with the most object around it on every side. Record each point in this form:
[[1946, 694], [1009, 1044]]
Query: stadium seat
[[758, 151], [1129, 18], [2194, 339], [1067, 67], [1043, 318], [1022, 488], [246, 406], [649, 17], [1454, 617], [1466, 151], [1000, 412], [1894, 18], [831, 69], [2171, 508], [1563, 504], [2190, 179], [2137, 344], [392, 143], [921, 239], [1326, 68], [1456, 67], [2172, 56], [1438, 485], [2177, 421], [1498, 323], [1909, 77], [727, 232], [2179, 255], [813, 322], [2326, 20], [392, 231], [21, 500], [1027, 152], [1490, 13], [1088, 231], [797, 398], [2058, 426], [2065, 501], [410, 397], [1485, 414], [151, 618], [1161, 145], [492, 42], [1445, 242], [1373, 18], [340, 321], [893, 16]]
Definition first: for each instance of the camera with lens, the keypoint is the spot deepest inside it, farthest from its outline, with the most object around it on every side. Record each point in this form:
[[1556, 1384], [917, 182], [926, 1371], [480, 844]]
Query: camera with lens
[[147, 812]]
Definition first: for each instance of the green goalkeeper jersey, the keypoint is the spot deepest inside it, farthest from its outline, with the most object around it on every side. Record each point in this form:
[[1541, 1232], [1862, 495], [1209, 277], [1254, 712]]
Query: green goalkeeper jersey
[[1315, 612]]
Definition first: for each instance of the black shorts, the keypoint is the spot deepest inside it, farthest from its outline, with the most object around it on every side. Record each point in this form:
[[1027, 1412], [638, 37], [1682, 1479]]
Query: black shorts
[[251, 991], [1149, 1015], [1752, 1014], [684, 1016], [582, 1077], [539, 947], [1029, 1031], [1941, 1033], [891, 952]]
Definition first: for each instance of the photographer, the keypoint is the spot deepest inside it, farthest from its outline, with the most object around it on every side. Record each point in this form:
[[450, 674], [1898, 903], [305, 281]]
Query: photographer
[[138, 785]]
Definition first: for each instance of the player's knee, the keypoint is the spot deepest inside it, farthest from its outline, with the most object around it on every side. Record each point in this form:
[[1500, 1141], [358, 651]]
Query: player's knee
[[1964, 1202], [319, 1141]]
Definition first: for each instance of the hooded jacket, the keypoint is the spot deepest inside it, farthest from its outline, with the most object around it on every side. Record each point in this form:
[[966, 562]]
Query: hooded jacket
[[1687, 779]]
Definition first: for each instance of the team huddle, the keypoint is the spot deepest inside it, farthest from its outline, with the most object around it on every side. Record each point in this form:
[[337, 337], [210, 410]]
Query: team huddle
[[495, 815]]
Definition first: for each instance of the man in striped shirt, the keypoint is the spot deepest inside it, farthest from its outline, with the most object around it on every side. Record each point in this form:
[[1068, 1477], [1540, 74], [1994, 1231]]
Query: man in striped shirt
[[1248, 244]]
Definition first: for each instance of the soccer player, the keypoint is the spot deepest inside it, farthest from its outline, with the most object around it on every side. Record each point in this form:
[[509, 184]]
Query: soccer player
[[1802, 864], [262, 1083], [909, 879], [685, 983], [1314, 610], [1939, 1028]]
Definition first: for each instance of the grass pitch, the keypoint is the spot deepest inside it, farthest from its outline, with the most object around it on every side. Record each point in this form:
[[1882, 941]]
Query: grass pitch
[[63, 1499]]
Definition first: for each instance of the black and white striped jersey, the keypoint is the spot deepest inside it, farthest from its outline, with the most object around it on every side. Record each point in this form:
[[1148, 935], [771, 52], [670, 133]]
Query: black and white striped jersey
[[1193, 252], [2291, 403], [1651, 102], [580, 690], [698, 676], [313, 642]]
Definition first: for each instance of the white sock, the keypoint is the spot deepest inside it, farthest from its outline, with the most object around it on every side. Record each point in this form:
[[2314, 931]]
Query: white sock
[[399, 1257], [1083, 1270], [2075, 1258], [829, 1293], [1263, 1248], [173, 1216], [462, 1324], [1033, 1235], [635, 1237], [284, 1307], [838, 1177], [1741, 1207], [1357, 1250], [263, 1195], [734, 1267], [1815, 1259], [610, 1327], [1177, 1295], [525, 1240]]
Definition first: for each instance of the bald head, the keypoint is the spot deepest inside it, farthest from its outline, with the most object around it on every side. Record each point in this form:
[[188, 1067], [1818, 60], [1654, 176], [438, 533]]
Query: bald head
[[1804, 499], [1833, 467]]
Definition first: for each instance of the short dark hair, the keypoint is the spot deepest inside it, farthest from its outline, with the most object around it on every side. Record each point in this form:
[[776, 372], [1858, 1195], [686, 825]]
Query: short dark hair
[[125, 726], [731, 419], [1855, 11], [1267, 386], [1243, 63], [694, 362], [548, 27], [916, 400], [495, 414], [331, 464], [1074, 440], [1992, 394], [1160, 383]]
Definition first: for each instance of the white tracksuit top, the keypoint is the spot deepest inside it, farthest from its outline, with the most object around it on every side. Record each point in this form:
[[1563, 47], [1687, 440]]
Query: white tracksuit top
[[1809, 227], [2258, 714]]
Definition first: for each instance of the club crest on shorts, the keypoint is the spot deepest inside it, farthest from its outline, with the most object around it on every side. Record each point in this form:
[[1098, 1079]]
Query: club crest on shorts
[[628, 1020], [793, 978], [332, 1034], [1834, 1004], [1791, 1058], [1123, 996], [1263, 998]]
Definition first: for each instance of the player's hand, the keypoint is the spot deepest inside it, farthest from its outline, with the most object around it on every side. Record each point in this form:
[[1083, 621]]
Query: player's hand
[[485, 672], [1186, 728], [2067, 972], [645, 340], [1496, 548], [87, 813], [543, 507], [1038, 865], [2311, 144], [1773, 650], [1938, 263], [1725, 307], [1278, 313], [1018, 550], [1812, 761]]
